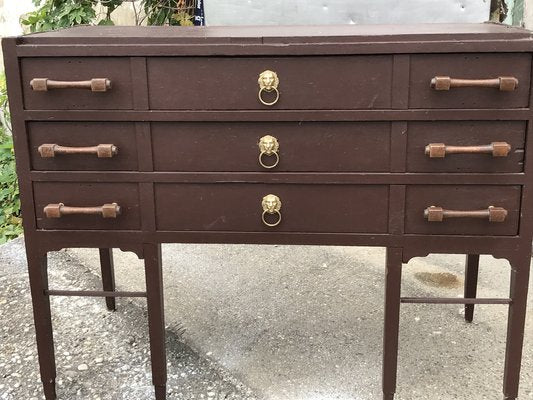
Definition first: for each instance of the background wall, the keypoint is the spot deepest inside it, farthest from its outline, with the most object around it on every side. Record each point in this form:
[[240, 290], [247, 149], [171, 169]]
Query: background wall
[[528, 14]]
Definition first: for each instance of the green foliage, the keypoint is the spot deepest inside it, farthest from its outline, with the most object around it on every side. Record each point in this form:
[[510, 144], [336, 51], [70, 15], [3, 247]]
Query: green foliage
[[57, 14], [10, 221], [165, 12]]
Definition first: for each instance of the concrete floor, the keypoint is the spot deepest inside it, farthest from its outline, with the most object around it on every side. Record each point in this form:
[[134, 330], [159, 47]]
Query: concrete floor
[[305, 322]]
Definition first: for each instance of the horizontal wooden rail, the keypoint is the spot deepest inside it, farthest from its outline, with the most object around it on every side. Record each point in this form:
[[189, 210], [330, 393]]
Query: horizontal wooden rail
[[93, 293], [453, 300]]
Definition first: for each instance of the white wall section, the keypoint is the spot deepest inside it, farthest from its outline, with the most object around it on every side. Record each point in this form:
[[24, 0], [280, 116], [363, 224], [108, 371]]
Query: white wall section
[[300, 12]]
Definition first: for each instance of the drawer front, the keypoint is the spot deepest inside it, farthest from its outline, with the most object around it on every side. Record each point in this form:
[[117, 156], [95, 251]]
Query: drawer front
[[84, 195], [462, 198], [198, 83], [462, 135], [75, 146], [77, 69], [312, 146], [304, 208], [469, 66]]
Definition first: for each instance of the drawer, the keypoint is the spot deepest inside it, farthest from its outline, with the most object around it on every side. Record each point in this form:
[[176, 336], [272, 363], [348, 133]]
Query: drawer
[[469, 66], [463, 198], [67, 71], [83, 146], [83, 205], [304, 208], [221, 83], [491, 141], [308, 146]]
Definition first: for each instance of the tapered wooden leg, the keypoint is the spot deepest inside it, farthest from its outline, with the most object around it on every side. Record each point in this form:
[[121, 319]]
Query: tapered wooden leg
[[156, 318], [471, 276], [392, 321], [38, 274], [515, 325], [108, 276]]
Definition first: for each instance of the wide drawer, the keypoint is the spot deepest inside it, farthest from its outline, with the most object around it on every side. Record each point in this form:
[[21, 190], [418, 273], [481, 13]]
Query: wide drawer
[[78, 146], [340, 82], [466, 146], [239, 207], [53, 79], [299, 147], [426, 67], [473, 200], [72, 205]]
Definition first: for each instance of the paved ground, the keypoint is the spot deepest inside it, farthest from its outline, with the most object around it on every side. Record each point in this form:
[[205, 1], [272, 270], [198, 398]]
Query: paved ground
[[99, 353], [289, 323]]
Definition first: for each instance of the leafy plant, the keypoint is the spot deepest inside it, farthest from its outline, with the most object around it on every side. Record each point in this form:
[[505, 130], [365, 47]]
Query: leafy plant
[[10, 220], [168, 12], [56, 14]]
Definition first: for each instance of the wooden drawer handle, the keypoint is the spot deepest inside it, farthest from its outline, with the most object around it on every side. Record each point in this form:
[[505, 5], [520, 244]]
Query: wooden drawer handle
[[439, 150], [58, 210], [493, 214], [49, 150], [503, 83], [95, 84]]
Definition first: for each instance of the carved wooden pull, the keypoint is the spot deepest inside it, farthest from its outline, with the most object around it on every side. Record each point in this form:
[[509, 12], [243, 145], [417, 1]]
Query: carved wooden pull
[[503, 83], [493, 214], [58, 210], [440, 150], [49, 150], [95, 84]]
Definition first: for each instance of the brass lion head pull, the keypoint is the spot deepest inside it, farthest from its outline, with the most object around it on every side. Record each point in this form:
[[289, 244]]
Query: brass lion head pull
[[271, 205], [268, 82], [268, 146]]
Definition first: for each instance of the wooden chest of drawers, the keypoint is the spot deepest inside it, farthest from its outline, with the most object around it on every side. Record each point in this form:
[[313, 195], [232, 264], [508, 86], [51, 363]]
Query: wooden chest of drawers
[[416, 138]]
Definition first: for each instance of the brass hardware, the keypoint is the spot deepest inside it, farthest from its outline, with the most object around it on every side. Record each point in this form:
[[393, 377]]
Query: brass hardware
[[440, 150], [268, 82], [95, 84], [271, 205], [493, 214], [49, 150], [269, 146], [58, 210], [503, 83]]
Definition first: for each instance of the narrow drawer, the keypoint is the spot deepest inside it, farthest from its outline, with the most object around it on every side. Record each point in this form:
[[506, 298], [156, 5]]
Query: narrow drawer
[[469, 146], [84, 203], [308, 146], [69, 71], [341, 82], [83, 146], [425, 67], [468, 198], [304, 208]]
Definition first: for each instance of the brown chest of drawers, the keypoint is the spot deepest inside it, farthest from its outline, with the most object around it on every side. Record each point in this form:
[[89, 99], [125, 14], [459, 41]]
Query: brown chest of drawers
[[415, 138]]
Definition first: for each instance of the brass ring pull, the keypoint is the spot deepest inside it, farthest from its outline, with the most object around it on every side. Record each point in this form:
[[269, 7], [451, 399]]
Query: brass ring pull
[[271, 205], [268, 82], [268, 146]]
